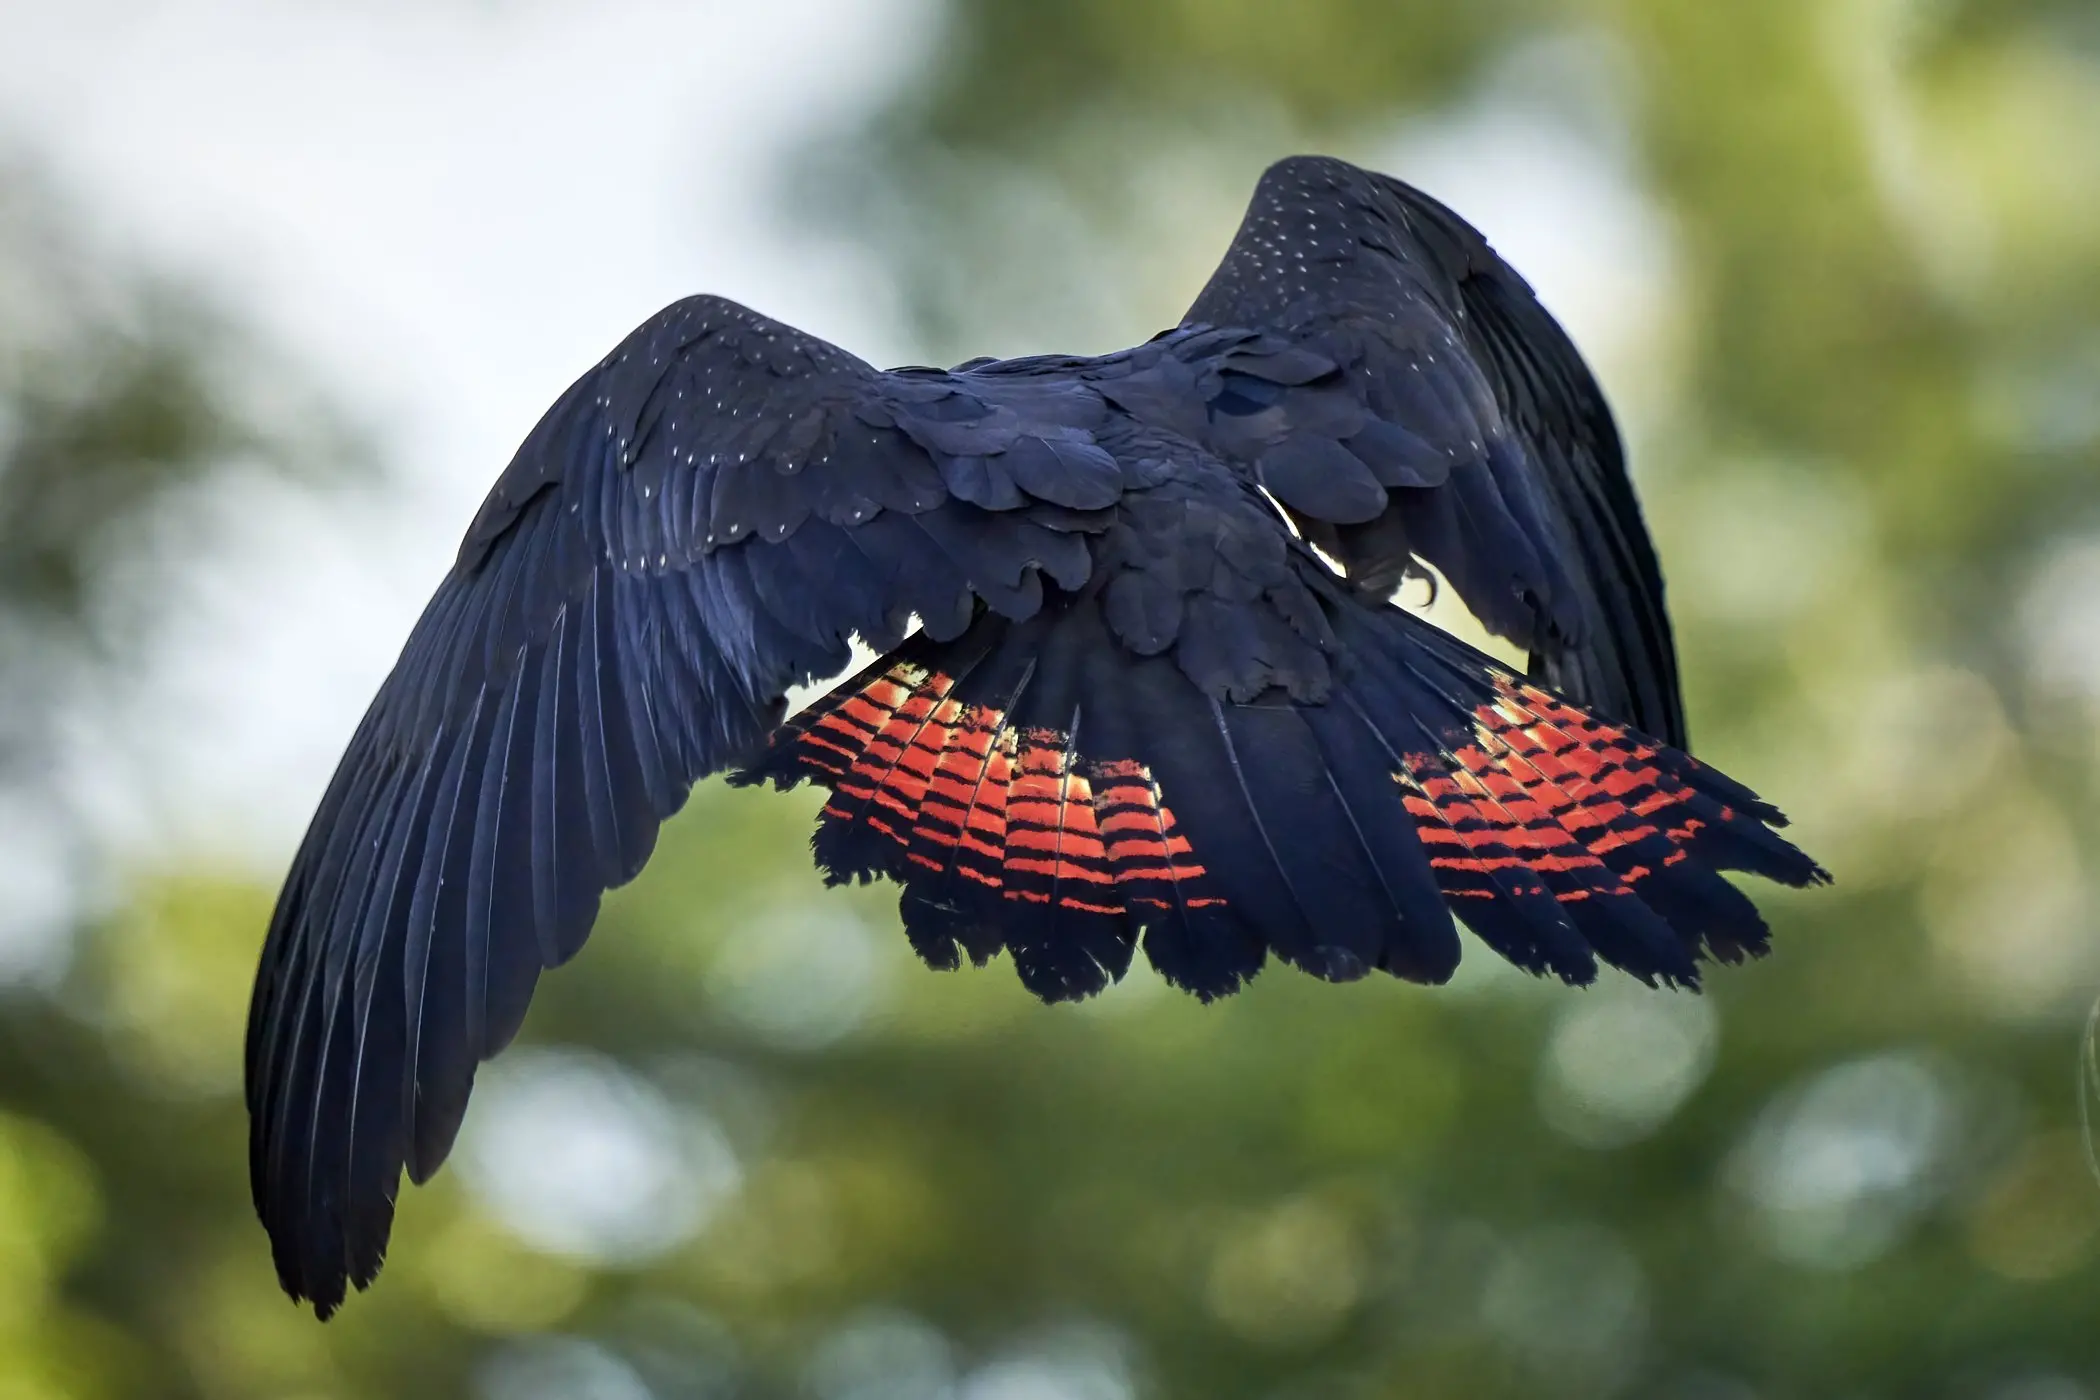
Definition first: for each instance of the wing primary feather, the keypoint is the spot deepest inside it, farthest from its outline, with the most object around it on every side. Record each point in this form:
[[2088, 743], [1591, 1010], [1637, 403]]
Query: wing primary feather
[[489, 813], [372, 1127], [592, 674], [433, 954]]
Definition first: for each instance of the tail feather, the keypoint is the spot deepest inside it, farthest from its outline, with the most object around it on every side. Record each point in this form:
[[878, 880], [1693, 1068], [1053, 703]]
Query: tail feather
[[1343, 916], [1521, 816], [1030, 832], [1064, 920], [1424, 947], [1662, 823], [975, 770], [1038, 788], [1486, 860], [1591, 889], [1192, 934]]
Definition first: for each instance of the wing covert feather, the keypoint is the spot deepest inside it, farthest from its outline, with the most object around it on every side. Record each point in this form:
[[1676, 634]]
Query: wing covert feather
[[1472, 409]]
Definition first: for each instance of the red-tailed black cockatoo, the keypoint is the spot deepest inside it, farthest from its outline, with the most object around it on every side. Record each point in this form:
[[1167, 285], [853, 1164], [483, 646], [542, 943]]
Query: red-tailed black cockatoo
[[1158, 696]]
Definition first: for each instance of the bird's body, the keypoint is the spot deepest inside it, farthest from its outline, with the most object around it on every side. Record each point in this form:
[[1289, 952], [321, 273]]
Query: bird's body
[[1138, 708]]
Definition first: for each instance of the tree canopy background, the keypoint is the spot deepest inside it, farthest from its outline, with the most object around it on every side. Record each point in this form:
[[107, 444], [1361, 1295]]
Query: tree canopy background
[[751, 1149]]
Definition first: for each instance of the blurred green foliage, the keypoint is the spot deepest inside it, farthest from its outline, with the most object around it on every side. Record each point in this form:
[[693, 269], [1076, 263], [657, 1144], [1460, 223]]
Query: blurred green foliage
[[1866, 431]]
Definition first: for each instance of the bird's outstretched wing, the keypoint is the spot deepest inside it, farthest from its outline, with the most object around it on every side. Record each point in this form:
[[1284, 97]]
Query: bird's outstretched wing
[[1137, 710], [1463, 429], [701, 522]]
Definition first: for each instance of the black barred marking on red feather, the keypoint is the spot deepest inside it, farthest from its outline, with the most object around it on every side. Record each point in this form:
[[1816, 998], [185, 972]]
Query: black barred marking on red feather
[[1588, 779], [1011, 809], [1543, 790], [1550, 801], [1329, 835]]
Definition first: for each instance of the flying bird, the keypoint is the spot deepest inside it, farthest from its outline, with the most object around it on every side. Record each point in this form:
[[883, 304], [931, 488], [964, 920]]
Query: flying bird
[[1140, 679]]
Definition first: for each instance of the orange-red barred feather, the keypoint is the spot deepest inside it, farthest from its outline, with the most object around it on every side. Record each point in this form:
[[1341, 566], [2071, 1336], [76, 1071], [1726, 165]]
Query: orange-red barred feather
[[953, 786], [1545, 789]]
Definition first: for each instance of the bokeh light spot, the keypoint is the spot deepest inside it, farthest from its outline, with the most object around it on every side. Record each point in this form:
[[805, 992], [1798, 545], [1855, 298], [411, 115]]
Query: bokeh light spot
[[802, 978], [36, 933], [1835, 1171], [882, 1355], [1621, 1060], [579, 1156], [1571, 1299], [2038, 1217], [1081, 1362], [559, 1368], [1289, 1277], [2059, 619]]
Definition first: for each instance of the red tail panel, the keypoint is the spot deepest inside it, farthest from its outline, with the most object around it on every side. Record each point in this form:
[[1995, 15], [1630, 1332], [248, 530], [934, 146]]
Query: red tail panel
[[954, 786], [1546, 790]]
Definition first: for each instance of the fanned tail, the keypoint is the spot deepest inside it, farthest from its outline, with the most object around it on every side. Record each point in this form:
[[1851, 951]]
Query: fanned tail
[[1038, 788], [1559, 837]]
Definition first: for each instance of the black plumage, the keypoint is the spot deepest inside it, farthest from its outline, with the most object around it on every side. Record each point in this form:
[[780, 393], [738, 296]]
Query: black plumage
[[1138, 709]]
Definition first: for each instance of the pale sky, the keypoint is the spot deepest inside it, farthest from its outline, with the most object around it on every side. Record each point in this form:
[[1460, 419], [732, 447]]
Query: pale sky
[[443, 213]]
